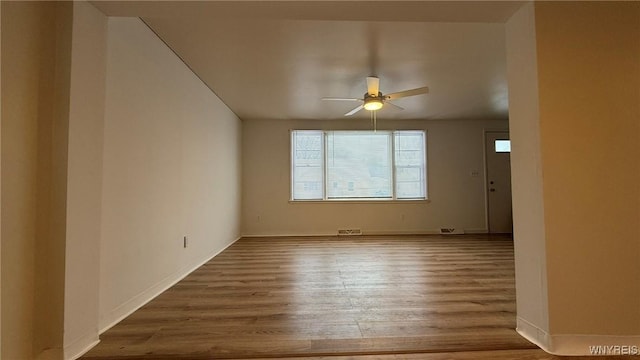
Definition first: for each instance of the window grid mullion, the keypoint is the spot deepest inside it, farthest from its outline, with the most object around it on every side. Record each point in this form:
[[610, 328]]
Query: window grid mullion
[[324, 166], [394, 194]]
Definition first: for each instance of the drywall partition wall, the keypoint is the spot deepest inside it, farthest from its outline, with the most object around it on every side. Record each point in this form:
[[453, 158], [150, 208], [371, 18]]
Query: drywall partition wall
[[84, 178], [457, 198], [589, 101], [19, 138], [171, 168], [526, 175], [51, 230], [0, 184], [582, 255], [35, 78]]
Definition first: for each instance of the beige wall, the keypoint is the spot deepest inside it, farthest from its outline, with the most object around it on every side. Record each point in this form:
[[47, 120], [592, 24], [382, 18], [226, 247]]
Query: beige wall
[[35, 73], [526, 172], [20, 33], [455, 149], [589, 85], [84, 179], [171, 168], [0, 184], [52, 192], [575, 107], [167, 144]]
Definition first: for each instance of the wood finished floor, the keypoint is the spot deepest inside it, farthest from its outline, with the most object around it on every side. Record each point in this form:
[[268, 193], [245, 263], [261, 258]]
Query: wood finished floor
[[363, 298]]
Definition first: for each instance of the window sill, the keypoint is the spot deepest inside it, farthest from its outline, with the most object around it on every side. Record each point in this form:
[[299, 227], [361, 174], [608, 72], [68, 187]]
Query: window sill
[[361, 201]]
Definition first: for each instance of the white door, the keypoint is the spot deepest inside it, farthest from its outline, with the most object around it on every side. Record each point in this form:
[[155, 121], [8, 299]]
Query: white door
[[498, 155]]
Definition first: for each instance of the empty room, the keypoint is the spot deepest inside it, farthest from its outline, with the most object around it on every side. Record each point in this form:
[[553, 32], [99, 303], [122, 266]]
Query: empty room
[[319, 179]]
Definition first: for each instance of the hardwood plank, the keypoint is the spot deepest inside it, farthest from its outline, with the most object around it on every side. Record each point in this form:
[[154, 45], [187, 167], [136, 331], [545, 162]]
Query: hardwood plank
[[530, 354], [356, 297]]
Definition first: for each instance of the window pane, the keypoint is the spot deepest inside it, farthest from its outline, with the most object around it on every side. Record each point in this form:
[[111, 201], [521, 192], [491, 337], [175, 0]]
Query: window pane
[[358, 164], [503, 146], [307, 159], [410, 164]]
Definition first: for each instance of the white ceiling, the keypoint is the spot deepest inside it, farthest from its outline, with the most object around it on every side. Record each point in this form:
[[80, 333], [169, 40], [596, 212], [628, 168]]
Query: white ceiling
[[276, 60]]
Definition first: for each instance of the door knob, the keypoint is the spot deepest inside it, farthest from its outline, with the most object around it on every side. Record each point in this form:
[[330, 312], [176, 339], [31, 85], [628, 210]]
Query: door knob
[[492, 189]]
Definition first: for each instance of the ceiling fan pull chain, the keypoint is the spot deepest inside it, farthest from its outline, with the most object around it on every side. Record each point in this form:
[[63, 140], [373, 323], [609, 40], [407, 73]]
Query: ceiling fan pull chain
[[375, 121]]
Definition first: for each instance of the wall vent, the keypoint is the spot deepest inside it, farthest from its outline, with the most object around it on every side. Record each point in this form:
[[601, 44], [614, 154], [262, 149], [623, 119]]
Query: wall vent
[[349, 232], [451, 231]]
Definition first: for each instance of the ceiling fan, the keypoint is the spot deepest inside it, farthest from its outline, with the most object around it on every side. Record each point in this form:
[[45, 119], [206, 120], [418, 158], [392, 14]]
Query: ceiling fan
[[374, 100]]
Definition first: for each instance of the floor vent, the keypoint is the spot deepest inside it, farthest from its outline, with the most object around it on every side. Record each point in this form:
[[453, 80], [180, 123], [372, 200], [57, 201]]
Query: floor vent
[[451, 231], [348, 232]]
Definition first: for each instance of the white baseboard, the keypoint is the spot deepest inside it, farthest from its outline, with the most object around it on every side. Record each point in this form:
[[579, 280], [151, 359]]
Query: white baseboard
[[401, 232], [119, 313], [579, 345], [476, 231], [583, 344], [364, 232], [288, 235], [389, 233], [533, 333], [80, 346]]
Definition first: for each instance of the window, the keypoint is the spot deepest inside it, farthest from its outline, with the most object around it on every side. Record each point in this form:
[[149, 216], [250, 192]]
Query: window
[[409, 164], [503, 146], [307, 164], [358, 165]]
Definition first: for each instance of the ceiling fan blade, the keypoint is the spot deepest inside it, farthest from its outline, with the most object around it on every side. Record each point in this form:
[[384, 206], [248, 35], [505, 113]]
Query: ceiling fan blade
[[341, 99], [373, 85], [354, 110], [412, 92], [394, 105]]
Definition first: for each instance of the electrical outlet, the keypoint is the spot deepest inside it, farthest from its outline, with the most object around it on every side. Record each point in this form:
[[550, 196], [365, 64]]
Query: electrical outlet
[[184, 241]]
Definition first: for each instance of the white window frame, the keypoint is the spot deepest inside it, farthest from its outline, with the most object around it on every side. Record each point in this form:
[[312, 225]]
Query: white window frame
[[392, 155]]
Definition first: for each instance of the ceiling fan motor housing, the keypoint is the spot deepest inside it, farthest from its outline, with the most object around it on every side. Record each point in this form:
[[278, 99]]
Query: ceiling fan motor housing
[[373, 102]]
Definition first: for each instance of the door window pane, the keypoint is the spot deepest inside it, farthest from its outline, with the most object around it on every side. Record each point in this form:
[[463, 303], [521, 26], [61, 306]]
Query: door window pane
[[503, 146]]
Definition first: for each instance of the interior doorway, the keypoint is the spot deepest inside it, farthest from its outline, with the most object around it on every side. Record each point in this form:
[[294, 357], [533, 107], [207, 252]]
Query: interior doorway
[[498, 172]]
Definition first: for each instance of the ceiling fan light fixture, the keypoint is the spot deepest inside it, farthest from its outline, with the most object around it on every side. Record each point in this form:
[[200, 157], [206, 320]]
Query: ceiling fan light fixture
[[373, 99], [373, 104]]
